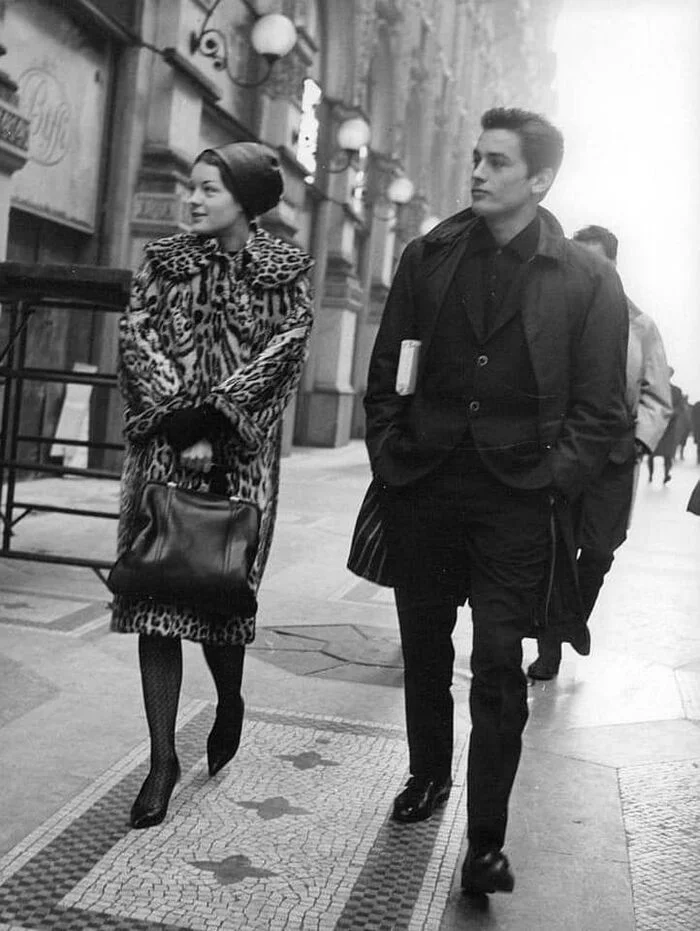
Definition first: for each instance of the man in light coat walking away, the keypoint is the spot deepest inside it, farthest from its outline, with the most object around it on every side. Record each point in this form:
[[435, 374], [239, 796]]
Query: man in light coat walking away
[[606, 505]]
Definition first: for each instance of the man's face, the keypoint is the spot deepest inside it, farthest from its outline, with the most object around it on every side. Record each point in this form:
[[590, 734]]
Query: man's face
[[597, 247], [500, 185]]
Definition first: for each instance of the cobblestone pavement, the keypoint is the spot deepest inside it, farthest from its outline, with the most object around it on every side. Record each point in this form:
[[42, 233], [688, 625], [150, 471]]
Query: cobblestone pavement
[[295, 832]]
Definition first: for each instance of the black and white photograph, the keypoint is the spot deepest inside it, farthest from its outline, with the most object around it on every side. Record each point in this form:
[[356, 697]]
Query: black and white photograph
[[349, 465]]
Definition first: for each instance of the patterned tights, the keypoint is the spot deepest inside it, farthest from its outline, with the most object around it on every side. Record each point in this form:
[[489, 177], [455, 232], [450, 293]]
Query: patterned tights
[[160, 659]]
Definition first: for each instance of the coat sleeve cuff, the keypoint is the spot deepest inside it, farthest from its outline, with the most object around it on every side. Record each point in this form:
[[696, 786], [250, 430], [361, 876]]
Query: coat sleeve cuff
[[249, 433]]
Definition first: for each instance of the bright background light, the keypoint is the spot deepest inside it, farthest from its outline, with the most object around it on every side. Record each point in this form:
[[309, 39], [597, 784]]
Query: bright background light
[[628, 84]]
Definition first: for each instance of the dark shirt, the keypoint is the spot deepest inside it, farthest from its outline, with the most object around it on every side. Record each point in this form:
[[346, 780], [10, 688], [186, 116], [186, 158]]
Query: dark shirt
[[492, 268], [478, 365]]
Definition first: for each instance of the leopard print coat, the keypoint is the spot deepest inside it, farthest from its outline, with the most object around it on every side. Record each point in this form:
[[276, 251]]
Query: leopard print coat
[[230, 331]]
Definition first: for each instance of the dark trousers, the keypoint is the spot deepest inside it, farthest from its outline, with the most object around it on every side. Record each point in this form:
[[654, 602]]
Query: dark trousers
[[668, 466], [601, 527], [461, 532]]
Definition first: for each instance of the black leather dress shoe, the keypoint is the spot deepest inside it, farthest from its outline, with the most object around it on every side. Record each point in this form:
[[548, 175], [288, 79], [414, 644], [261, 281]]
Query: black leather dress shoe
[[420, 798], [543, 669], [488, 872], [224, 738], [580, 640], [151, 805]]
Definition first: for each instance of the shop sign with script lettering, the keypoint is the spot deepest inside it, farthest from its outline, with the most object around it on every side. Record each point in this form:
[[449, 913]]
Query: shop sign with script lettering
[[62, 80]]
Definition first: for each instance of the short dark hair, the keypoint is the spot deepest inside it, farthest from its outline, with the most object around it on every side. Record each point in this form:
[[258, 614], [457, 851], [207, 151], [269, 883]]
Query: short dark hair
[[209, 157], [541, 142], [600, 235]]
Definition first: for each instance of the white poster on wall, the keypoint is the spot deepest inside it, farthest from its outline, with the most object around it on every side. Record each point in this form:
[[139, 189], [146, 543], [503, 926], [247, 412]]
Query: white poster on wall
[[74, 421], [63, 79]]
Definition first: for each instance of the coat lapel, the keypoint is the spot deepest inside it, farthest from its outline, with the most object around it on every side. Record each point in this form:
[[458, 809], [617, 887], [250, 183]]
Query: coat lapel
[[439, 269]]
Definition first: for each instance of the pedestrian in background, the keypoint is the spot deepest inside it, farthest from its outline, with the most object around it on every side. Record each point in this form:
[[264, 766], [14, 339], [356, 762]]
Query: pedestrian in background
[[603, 510], [518, 339], [685, 425], [211, 349], [695, 421], [667, 445]]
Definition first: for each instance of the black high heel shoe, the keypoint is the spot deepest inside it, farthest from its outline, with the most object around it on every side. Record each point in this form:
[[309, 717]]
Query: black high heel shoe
[[151, 807], [224, 737]]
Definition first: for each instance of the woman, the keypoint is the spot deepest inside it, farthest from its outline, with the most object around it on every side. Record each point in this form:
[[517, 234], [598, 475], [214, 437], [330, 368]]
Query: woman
[[211, 349], [667, 445]]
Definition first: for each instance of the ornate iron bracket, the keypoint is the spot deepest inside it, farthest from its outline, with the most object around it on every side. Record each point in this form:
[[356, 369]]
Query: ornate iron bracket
[[212, 43]]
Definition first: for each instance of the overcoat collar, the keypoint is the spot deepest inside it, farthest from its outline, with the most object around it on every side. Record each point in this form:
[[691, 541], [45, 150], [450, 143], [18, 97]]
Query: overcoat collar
[[268, 262], [460, 225], [633, 310]]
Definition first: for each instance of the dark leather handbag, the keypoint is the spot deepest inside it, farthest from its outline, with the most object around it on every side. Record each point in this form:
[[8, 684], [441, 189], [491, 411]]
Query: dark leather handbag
[[191, 548]]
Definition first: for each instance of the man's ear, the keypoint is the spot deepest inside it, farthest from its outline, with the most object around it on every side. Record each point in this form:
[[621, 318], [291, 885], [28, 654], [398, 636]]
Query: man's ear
[[542, 182]]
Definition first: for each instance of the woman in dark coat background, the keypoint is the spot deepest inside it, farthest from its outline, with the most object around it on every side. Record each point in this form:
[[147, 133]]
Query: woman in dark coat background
[[211, 349], [667, 445]]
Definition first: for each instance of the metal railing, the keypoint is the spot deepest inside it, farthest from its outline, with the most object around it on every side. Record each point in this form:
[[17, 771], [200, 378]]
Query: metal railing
[[24, 290]]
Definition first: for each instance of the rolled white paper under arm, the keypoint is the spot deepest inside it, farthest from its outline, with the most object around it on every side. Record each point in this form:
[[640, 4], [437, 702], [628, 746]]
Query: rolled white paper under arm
[[407, 370]]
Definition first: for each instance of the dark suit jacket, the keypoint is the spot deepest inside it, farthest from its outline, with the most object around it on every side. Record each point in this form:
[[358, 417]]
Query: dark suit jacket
[[575, 321]]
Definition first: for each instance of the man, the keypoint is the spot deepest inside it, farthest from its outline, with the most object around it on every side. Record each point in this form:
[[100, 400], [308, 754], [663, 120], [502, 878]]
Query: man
[[606, 505], [518, 397]]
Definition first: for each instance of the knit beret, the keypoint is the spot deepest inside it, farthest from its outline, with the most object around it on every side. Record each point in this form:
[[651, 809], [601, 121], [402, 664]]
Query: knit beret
[[251, 171]]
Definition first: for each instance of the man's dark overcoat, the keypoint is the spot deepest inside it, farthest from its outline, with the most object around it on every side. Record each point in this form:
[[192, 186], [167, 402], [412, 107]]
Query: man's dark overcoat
[[575, 321]]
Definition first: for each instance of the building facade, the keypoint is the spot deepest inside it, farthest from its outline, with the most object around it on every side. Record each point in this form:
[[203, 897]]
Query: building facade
[[104, 104]]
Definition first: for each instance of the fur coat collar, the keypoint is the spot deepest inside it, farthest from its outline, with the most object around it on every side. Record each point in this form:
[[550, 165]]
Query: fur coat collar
[[268, 262]]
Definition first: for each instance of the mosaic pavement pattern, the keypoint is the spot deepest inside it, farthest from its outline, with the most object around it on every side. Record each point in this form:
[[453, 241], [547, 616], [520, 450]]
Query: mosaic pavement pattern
[[293, 834], [661, 808], [352, 652]]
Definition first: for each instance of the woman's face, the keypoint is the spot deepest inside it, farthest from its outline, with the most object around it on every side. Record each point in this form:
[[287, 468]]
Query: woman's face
[[214, 209]]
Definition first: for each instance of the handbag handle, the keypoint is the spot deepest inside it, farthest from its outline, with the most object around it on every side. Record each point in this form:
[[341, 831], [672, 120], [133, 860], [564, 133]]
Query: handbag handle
[[216, 477], [174, 485]]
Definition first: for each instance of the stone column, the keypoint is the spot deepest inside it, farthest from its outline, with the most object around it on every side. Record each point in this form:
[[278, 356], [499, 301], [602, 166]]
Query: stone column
[[172, 102], [327, 397], [279, 119], [328, 408], [280, 114], [172, 141], [380, 266]]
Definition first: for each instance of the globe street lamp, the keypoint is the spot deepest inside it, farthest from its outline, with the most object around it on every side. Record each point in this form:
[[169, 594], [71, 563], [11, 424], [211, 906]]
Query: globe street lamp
[[353, 135], [273, 36]]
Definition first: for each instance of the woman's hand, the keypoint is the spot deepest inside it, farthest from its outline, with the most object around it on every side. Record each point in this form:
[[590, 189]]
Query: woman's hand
[[198, 456]]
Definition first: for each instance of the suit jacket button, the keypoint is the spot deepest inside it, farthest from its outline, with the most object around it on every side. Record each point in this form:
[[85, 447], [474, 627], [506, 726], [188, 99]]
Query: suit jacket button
[[482, 360], [474, 406]]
